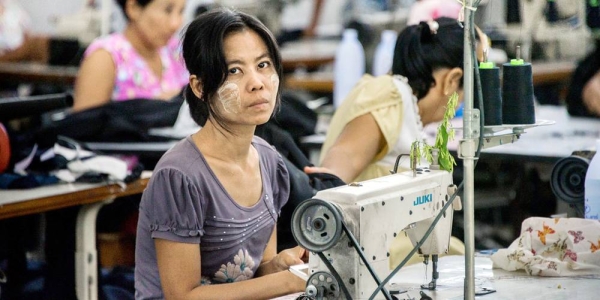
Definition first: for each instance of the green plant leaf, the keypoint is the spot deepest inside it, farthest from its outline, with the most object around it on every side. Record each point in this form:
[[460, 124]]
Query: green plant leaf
[[445, 133]]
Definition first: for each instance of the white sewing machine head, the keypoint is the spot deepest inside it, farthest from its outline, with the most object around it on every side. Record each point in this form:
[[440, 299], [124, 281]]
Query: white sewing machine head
[[566, 38], [374, 212]]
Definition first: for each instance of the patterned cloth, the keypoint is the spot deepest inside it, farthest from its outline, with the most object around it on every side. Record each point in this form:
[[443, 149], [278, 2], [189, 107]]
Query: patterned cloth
[[553, 247], [134, 78]]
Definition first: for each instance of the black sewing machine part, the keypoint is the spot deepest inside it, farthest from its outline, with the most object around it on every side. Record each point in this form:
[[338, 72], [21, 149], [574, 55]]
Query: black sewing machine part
[[568, 177], [424, 296], [18, 107]]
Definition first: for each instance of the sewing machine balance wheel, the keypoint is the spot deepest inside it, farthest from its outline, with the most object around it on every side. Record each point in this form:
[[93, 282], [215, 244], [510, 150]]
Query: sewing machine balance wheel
[[316, 225], [322, 285]]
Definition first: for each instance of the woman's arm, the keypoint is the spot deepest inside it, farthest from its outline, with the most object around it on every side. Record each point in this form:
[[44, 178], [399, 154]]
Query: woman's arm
[[179, 267], [310, 31], [95, 81], [354, 149]]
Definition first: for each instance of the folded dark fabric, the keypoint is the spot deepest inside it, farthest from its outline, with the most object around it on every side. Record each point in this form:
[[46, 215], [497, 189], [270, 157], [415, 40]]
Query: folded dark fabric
[[123, 121], [9, 181]]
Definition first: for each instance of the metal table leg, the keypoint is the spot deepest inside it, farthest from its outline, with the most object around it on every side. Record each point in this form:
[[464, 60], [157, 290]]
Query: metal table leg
[[86, 253]]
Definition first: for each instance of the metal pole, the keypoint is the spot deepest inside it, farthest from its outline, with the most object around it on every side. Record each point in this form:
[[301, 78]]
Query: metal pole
[[468, 154]]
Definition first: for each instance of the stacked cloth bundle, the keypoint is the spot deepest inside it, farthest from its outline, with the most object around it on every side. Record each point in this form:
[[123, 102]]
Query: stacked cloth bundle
[[553, 247]]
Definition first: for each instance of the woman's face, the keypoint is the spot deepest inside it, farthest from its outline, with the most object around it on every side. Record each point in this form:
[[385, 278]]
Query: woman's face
[[447, 81], [249, 93], [156, 22], [433, 106]]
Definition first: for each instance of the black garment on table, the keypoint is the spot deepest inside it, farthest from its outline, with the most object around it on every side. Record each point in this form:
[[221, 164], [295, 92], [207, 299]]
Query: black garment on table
[[9, 181], [125, 121], [117, 121], [585, 70]]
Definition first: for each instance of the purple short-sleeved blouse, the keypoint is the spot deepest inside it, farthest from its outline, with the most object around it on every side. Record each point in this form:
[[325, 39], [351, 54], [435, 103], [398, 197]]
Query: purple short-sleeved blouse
[[185, 202]]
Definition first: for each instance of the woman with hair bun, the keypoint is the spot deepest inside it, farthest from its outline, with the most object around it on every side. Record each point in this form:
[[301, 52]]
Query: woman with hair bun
[[382, 116]]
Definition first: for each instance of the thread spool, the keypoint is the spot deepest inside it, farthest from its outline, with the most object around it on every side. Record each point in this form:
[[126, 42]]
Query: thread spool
[[491, 93], [517, 93]]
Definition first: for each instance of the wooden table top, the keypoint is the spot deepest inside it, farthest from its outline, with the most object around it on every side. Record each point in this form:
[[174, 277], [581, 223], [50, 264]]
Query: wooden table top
[[37, 72], [14, 203], [318, 82], [308, 54], [555, 72]]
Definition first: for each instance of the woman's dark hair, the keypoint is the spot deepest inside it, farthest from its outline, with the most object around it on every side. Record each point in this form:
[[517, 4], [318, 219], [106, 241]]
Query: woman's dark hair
[[420, 51], [141, 3], [204, 56]]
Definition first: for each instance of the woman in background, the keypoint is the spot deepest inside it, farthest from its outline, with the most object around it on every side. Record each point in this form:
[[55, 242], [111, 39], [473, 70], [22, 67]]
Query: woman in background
[[207, 219], [382, 116], [143, 61]]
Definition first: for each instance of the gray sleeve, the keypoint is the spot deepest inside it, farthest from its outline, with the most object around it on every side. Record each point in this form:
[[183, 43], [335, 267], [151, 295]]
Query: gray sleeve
[[281, 185], [173, 206]]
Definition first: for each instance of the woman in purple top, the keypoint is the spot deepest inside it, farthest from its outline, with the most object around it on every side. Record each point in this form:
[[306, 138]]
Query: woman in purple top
[[209, 212], [143, 61]]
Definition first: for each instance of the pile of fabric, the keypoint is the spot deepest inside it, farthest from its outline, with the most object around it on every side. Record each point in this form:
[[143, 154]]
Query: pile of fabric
[[553, 247]]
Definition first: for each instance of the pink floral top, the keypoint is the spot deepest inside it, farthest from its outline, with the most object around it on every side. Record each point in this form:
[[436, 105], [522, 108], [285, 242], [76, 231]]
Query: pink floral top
[[134, 78]]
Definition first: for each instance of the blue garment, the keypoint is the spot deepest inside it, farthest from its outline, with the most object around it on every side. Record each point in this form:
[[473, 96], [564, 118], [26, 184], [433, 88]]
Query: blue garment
[[10, 181]]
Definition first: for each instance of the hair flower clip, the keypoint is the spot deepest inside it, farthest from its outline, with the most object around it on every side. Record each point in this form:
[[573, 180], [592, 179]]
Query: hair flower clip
[[433, 26]]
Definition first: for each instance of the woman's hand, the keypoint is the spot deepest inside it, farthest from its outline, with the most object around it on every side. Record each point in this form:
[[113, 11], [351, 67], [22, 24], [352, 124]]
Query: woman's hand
[[290, 257], [297, 284], [312, 170]]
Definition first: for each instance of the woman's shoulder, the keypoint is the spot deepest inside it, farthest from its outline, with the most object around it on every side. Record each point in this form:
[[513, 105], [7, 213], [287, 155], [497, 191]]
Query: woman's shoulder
[[183, 156], [375, 90], [263, 147], [376, 85], [268, 153]]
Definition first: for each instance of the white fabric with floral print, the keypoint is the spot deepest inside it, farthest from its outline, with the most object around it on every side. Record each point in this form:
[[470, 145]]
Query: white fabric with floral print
[[553, 247]]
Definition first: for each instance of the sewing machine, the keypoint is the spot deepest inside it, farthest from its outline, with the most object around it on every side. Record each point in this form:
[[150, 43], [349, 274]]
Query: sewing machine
[[567, 37], [350, 229]]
